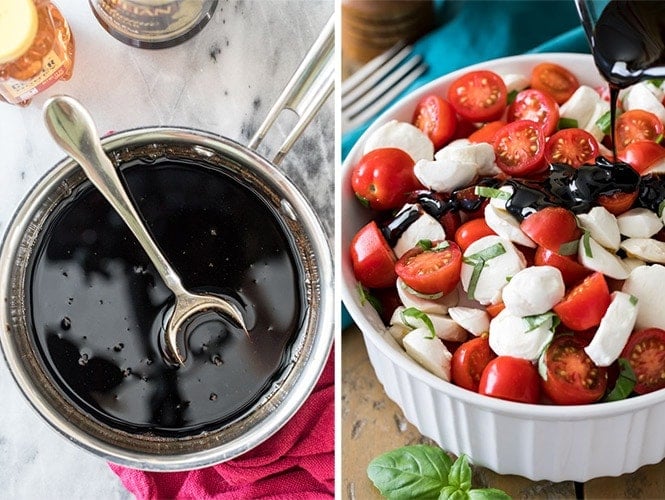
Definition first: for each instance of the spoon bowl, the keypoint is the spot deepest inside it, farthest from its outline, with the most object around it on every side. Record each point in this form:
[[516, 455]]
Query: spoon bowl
[[73, 129]]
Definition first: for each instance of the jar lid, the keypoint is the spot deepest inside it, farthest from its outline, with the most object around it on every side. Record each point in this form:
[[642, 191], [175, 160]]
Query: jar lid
[[18, 28]]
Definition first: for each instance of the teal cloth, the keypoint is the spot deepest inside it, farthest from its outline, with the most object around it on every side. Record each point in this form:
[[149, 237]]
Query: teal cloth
[[472, 31]]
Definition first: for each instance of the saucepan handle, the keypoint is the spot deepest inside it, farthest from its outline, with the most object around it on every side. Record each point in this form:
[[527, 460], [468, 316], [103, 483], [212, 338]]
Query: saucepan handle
[[309, 87]]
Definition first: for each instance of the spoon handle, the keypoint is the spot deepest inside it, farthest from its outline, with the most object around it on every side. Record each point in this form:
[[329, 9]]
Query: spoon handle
[[73, 129]]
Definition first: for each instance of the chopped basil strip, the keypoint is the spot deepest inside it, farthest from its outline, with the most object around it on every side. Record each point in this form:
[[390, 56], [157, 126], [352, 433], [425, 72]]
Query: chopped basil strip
[[511, 96], [633, 300], [475, 276], [656, 82], [366, 297], [478, 260], [486, 254], [604, 123], [489, 192], [364, 201], [569, 248], [542, 365], [441, 245], [431, 296], [658, 139], [424, 244], [417, 314], [538, 320], [567, 123], [661, 207], [624, 384], [587, 244]]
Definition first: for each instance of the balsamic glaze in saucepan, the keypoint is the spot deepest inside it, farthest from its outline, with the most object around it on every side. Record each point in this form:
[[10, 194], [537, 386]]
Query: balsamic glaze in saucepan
[[97, 304]]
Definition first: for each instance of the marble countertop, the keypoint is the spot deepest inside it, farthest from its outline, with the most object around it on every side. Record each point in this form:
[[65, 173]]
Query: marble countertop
[[223, 80]]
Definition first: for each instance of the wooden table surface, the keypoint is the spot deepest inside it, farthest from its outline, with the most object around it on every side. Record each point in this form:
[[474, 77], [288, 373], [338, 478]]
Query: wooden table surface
[[372, 424]]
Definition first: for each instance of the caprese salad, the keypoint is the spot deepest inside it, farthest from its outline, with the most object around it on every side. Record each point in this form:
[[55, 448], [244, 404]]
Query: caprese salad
[[510, 252]]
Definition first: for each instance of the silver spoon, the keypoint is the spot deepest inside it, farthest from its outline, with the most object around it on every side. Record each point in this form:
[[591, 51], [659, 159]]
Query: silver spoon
[[72, 127]]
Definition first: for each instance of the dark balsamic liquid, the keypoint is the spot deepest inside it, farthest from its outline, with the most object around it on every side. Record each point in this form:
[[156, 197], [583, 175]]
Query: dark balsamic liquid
[[628, 45], [97, 304]]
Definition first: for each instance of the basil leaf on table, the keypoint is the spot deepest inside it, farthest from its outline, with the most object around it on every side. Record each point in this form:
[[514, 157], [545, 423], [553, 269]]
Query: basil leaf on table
[[417, 471], [426, 472]]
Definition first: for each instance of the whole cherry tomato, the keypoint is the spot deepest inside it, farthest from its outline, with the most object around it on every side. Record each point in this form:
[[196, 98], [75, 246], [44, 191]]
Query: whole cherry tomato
[[372, 258], [514, 379], [383, 179]]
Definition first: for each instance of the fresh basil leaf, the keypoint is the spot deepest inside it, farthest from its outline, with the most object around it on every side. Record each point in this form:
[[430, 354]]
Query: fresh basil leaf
[[418, 471], [486, 254], [487, 494], [364, 201], [633, 300], [366, 297], [567, 123], [441, 245], [569, 248], [460, 474], [417, 314], [604, 123], [512, 95], [661, 207], [475, 276], [656, 82], [624, 384], [424, 244], [587, 244], [452, 493], [538, 320], [490, 192], [542, 364]]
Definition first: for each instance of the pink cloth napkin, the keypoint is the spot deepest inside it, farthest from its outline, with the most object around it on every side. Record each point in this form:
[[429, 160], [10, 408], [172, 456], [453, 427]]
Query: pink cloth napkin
[[298, 462]]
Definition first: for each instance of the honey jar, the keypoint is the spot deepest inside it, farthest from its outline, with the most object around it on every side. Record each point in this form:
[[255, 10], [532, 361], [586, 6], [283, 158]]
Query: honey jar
[[36, 49]]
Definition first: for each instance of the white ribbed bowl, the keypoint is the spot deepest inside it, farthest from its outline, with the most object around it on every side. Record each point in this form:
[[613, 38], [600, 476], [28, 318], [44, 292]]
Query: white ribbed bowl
[[556, 443]]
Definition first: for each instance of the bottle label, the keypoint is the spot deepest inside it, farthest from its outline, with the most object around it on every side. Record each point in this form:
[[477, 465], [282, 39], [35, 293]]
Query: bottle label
[[152, 16], [53, 69]]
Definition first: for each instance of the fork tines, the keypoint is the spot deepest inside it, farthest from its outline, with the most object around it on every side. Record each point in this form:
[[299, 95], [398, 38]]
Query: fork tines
[[377, 83]]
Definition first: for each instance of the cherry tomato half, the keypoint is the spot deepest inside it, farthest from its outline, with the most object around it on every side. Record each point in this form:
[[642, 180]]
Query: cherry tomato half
[[572, 271], [584, 306], [372, 258], [642, 155], [436, 118], [572, 378], [645, 351], [432, 270], [384, 178], [536, 106], [555, 80], [468, 362], [617, 203], [636, 125], [479, 96], [551, 227], [572, 146], [519, 148], [514, 379], [471, 231]]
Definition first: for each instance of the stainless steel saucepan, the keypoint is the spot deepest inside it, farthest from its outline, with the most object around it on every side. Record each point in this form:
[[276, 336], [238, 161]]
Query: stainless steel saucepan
[[308, 89]]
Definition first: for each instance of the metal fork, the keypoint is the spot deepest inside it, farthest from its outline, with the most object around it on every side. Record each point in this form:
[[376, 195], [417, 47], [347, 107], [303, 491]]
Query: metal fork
[[366, 92]]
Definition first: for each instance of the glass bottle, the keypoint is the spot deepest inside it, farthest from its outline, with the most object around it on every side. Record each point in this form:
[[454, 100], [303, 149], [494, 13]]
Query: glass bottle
[[36, 49], [153, 24]]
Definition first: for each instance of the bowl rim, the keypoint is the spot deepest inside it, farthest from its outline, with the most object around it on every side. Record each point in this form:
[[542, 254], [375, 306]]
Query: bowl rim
[[313, 352], [382, 340]]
